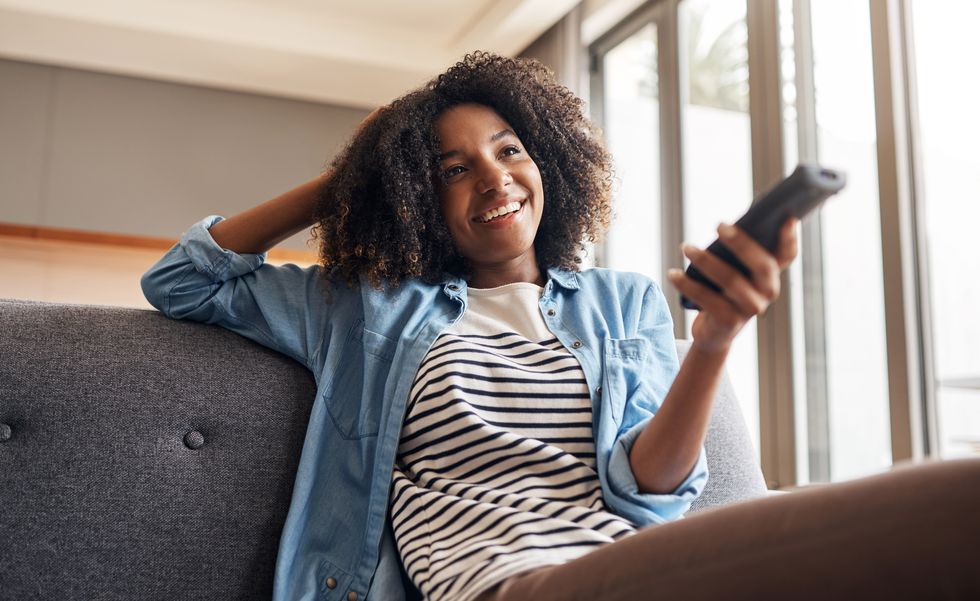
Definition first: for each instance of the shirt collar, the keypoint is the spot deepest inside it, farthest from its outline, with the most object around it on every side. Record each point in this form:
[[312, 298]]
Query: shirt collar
[[454, 286], [565, 279]]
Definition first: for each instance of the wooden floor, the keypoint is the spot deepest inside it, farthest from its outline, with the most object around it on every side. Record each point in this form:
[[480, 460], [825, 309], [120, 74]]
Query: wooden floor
[[73, 272]]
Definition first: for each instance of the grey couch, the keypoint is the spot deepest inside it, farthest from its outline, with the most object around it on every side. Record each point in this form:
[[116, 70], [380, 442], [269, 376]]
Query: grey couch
[[146, 458]]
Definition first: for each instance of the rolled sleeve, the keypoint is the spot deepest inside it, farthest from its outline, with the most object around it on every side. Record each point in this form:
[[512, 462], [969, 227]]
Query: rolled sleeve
[[645, 508], [209, 258], [281, 307]]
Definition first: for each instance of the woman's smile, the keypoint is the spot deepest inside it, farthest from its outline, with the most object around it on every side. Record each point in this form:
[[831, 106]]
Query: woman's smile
[[503, 215]]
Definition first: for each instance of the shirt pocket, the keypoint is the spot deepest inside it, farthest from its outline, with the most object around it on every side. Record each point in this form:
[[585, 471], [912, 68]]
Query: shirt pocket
[[623, 364], [355, 397]]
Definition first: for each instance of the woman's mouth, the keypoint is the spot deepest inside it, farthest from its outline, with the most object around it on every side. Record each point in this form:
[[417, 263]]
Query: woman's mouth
[[500, 214]]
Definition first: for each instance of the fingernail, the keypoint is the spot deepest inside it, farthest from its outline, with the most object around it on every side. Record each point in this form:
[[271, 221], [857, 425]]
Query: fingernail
[[726, 230], [673, 273]]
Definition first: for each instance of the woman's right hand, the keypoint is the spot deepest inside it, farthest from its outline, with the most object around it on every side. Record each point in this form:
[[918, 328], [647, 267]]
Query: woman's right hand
[[262, 227]]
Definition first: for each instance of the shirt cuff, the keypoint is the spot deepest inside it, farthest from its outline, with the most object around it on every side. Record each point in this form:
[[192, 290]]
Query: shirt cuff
[[212, 260], [652, 508]]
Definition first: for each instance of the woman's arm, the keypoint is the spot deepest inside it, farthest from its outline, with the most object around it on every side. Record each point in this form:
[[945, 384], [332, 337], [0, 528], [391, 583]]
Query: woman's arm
[[260, 228], [667, 449], [216, 274]]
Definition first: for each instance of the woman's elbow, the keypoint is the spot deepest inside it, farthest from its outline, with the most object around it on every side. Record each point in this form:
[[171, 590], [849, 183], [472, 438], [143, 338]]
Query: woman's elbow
[[154, 291], [177, 293]]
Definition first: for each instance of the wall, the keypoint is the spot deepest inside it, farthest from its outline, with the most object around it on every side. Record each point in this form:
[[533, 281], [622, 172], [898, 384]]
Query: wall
[[106, 153], [114, 154], [561, 49]]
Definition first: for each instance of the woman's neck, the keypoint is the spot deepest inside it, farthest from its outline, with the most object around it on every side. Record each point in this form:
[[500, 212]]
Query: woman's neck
[[491, 276]]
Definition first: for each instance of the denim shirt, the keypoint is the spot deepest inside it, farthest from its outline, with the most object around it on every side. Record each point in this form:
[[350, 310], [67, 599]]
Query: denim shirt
[[364, 347]]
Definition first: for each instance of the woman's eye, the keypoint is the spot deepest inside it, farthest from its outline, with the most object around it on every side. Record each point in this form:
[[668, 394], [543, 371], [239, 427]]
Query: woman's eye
[[511, 150], [453, 171]]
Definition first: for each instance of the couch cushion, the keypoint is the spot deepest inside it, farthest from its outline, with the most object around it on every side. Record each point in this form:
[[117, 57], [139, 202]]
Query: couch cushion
[[104, 494]]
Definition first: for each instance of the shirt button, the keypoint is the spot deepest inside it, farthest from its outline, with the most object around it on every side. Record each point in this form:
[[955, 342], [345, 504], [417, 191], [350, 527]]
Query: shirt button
[[352, 596], [551, 312], [331, 583], [577, 344], [598, 389]]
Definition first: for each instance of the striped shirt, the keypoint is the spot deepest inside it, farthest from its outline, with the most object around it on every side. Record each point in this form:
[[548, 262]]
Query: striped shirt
[[496, 469]]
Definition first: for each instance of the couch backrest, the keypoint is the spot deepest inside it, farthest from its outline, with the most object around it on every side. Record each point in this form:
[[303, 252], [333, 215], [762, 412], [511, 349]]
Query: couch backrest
[[733, 464], [142, 457]]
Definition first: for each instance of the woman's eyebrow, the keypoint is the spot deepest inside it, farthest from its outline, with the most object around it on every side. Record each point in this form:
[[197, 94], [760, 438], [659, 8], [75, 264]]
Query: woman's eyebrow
[[500, 134]]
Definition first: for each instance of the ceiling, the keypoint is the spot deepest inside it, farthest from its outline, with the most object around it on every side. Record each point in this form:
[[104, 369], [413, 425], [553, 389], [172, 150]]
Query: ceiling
[[348, 52]]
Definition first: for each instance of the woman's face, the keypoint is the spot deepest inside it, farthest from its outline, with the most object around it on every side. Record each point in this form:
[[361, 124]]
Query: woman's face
[[492, 197]]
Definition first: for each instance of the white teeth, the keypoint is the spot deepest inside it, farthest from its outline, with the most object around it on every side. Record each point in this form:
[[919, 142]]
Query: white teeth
[[496, 212]]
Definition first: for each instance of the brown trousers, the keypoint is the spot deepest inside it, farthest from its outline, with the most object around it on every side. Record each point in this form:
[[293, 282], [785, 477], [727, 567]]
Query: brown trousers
[[911, 533]]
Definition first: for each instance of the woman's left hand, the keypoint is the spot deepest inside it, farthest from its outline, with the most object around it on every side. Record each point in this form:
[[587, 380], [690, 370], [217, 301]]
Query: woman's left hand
[[741, 298]]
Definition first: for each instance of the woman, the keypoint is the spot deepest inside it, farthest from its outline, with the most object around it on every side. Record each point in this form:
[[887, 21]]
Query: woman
[[483, 417]]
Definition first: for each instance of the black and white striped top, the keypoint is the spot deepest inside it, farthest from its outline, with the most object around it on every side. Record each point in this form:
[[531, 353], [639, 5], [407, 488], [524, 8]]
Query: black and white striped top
[[495, 472]]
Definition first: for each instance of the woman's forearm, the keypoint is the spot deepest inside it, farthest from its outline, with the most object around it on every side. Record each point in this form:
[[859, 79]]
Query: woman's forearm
[[665, 452], [260, 228]]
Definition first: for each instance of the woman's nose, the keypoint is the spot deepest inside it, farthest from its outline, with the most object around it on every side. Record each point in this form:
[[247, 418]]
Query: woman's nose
[[494, 178]]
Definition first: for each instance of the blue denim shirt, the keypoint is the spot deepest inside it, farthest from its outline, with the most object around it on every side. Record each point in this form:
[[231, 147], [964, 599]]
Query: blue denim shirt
[[364, 347]]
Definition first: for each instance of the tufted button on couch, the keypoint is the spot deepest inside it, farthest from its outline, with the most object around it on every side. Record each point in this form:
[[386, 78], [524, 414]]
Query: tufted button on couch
[[147, 458]]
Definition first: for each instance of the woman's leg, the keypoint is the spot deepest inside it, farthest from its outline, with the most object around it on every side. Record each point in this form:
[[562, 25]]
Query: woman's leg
[[912, 533]]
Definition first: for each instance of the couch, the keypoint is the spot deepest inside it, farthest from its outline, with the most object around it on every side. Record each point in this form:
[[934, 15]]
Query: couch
[[147, 458]]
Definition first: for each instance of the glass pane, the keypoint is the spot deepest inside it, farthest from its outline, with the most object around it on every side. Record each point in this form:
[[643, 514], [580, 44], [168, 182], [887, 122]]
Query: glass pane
[[944, 35], [717, 153], [854, 324], [787, 75], [632, 129]]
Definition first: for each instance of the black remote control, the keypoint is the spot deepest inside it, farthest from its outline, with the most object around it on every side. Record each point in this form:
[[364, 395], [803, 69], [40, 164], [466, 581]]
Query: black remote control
[[804, 190]]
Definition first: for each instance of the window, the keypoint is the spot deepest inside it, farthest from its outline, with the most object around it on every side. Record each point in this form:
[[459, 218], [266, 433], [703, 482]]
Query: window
[[632, 130], [907, 148], [845, 403], [944, 36]]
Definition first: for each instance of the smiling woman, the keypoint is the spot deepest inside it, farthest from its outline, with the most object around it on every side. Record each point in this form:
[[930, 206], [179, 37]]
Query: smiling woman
[[484, 420]]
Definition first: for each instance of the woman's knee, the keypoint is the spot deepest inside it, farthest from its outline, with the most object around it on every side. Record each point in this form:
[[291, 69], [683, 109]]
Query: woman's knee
[[949, 487], [943, 476]]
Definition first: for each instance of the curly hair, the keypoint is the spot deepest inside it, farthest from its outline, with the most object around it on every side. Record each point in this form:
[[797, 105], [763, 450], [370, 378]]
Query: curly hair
[[378, 215]]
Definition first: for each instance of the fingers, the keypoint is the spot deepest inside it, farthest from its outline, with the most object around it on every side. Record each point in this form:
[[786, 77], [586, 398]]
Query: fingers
[[784, 253], [788, 246], [763, 267], [748, 296], [739, 291], [740, 297], [710, 301]]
